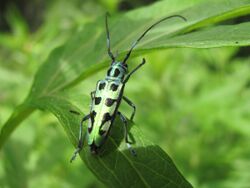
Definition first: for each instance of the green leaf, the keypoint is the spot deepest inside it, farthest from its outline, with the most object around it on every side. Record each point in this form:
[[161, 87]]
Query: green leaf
[[115, 166], [85, 54]]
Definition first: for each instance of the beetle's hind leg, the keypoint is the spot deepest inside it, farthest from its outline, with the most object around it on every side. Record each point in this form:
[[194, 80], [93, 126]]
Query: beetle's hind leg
[[125, 123], [80, 140]]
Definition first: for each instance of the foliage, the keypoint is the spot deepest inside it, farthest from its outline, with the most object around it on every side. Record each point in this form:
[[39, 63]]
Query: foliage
[[192, 100]]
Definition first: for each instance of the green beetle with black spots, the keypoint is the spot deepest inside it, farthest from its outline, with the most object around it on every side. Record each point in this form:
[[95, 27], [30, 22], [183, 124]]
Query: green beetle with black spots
[[106, 99]]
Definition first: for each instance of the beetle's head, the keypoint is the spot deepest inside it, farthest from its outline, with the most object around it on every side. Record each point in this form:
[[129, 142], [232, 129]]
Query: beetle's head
[[117, 70]]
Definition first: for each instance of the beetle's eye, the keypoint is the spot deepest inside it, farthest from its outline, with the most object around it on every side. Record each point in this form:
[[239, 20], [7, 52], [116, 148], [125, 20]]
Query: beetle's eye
[[117, 72]]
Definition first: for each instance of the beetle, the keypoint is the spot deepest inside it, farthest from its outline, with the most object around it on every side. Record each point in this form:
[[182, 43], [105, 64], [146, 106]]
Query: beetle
[[107, 97]]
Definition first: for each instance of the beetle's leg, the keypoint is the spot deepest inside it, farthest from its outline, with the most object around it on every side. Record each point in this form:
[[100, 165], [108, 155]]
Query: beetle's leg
[[80, 141], [92, 94], [125, 123], [130, 103], [135, 69]]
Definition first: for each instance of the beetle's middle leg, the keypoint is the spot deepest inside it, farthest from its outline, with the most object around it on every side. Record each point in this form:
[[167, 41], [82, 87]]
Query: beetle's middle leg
[[92, 94], [125, 123]]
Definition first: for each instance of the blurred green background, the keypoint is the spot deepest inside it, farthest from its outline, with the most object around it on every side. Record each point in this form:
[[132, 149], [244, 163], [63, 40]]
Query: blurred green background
[[194, 103]]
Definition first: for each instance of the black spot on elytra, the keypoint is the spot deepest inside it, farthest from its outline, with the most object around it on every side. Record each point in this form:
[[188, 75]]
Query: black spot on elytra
[[117, 72], [106, 117], [97, 100], [101, 132], [109, 102], [102, 85], [114, 87], [92, 119]]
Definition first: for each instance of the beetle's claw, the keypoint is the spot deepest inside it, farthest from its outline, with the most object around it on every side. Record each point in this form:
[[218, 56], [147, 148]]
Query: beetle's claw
[[74, 155], [132, 151]]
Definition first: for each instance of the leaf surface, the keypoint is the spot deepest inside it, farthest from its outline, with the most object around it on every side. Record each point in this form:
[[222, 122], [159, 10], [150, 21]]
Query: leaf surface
[[115, 166]]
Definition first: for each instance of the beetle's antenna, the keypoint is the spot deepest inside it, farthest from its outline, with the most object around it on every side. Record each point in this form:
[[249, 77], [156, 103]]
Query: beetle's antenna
[[108, 38], [145, 32]]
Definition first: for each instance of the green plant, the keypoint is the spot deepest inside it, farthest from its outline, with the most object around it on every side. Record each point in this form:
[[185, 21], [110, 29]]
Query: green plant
[[85, 54]]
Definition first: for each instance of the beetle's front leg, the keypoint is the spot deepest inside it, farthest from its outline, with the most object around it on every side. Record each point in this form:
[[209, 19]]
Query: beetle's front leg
[[135, 69], [80, 139], [130, 103], [125, 123]]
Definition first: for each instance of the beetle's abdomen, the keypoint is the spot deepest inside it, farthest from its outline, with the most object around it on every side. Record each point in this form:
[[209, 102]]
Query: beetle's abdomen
[[103, 110]]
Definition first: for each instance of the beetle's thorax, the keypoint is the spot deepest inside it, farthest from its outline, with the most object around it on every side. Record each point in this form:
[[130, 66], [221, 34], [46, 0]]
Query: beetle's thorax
[[117, 71]]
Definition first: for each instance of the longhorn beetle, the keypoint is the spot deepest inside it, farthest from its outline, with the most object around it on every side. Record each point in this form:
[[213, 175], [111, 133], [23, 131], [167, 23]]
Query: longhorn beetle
[[107, 97]]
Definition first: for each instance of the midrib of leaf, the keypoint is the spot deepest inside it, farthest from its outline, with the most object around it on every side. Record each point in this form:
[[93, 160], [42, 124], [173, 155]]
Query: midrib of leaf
[[111, 171], [64, 60], [87, 161], [220, 17], [131, 164], [211, 20], [139, 136], [155, 172], [143, 144], [163, 160]]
